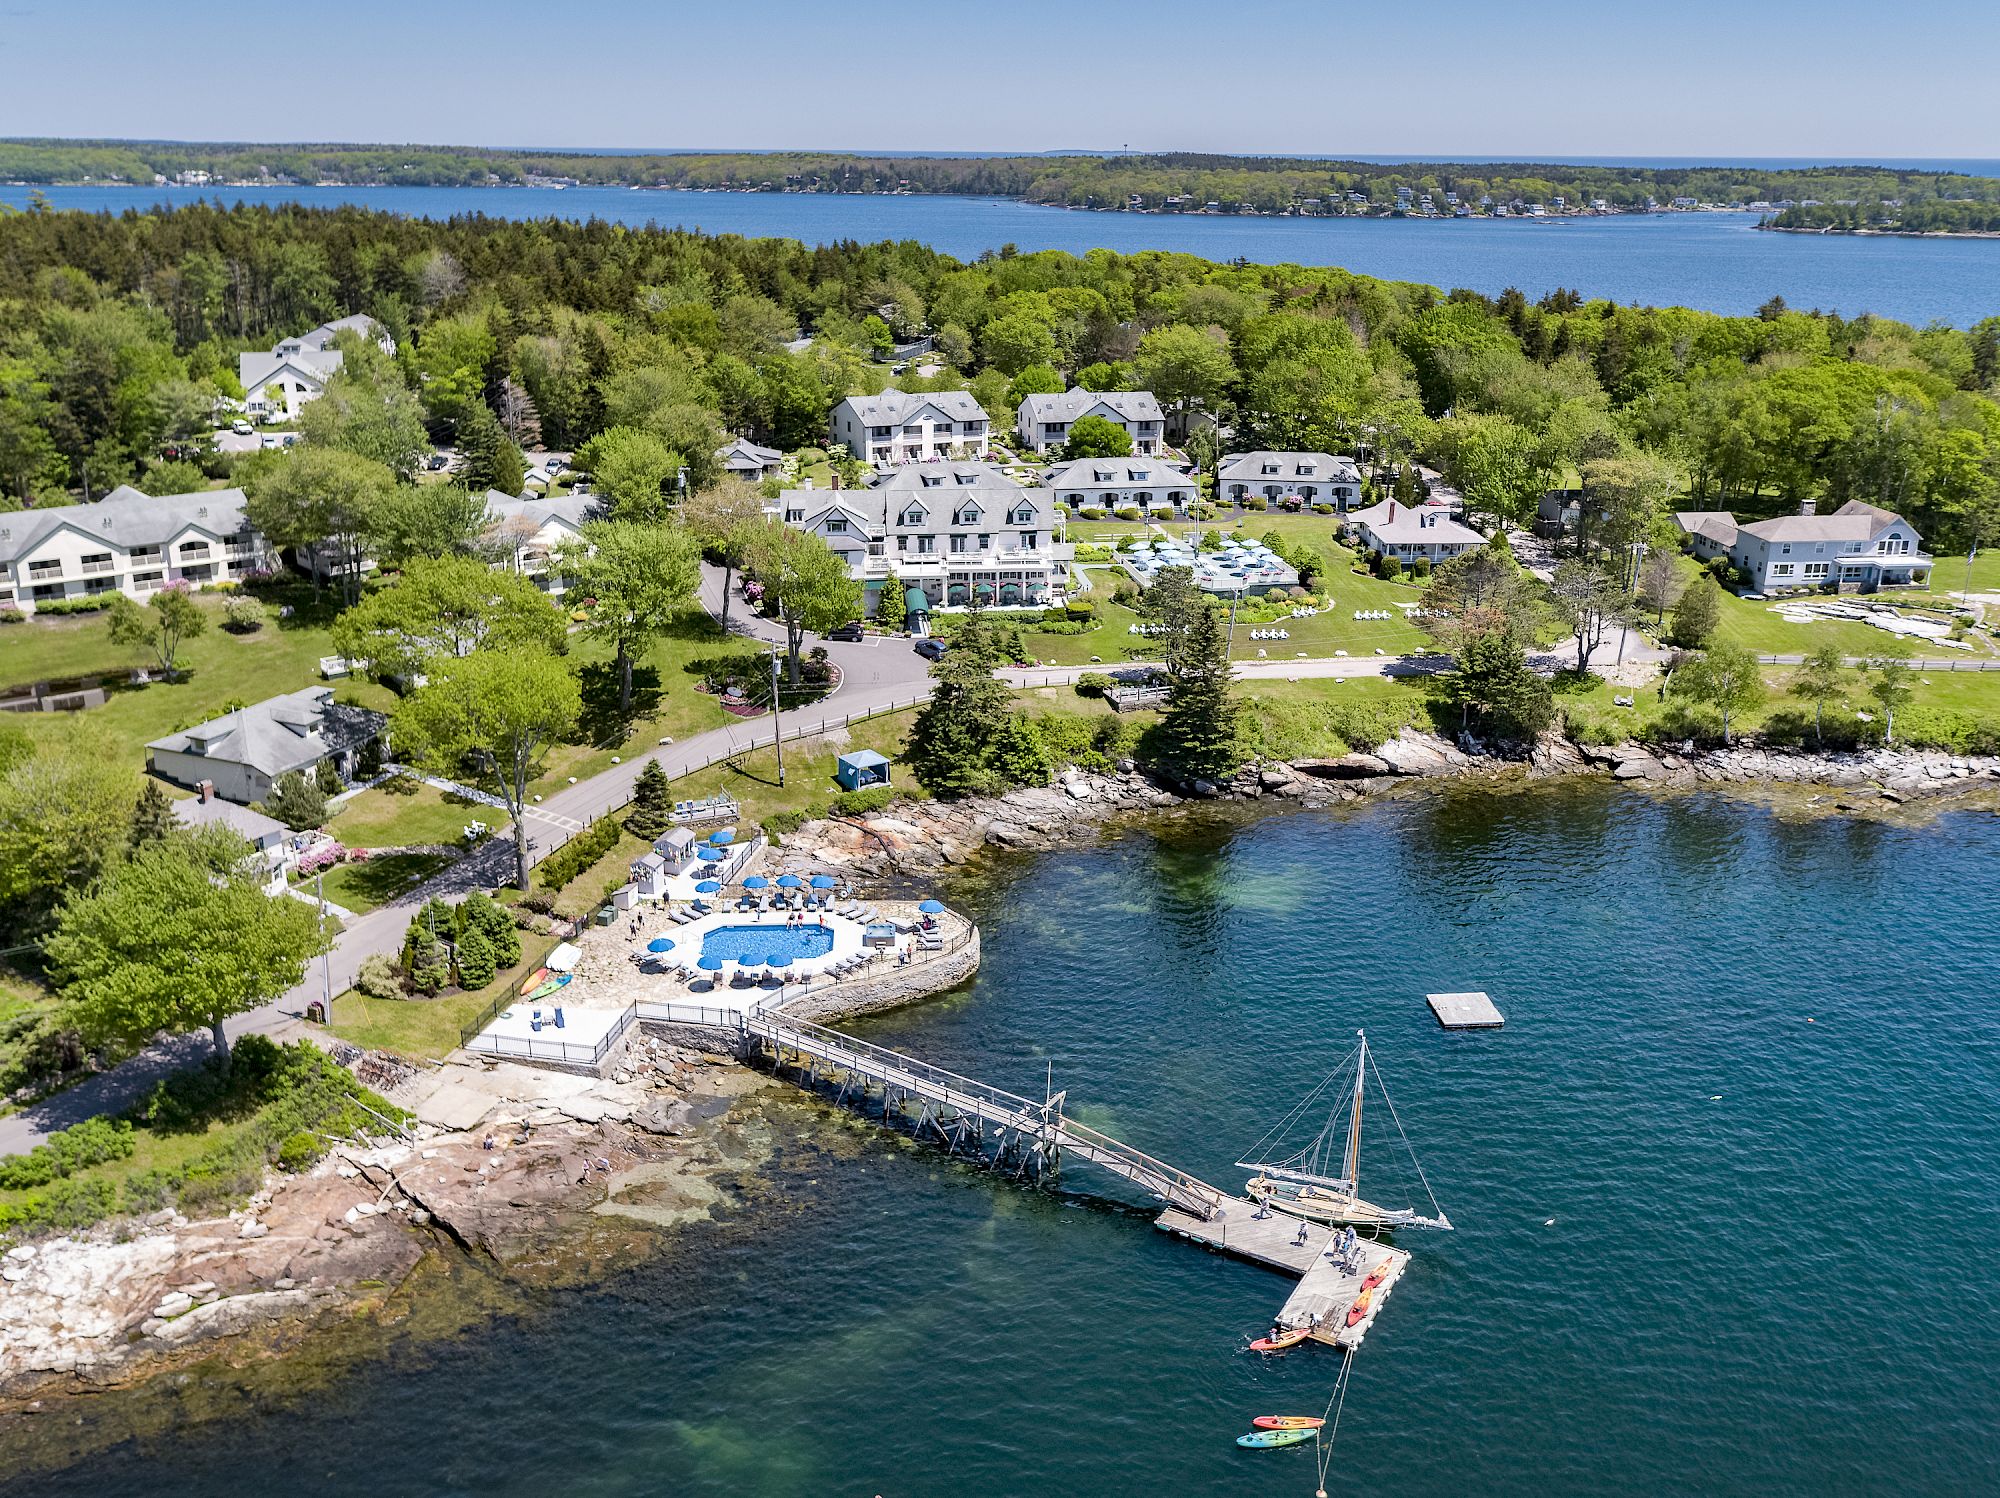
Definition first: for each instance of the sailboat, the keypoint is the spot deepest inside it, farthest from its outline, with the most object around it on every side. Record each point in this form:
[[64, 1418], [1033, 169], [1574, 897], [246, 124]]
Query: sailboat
[[1321, 1180]]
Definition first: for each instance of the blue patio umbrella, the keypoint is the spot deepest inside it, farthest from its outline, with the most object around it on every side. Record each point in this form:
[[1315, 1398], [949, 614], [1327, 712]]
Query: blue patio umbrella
[[746, 960], [789, 881], [756, 881], [709, 855], [932, 907], [660, 944], [709, 887], [824, 881], [710, 964], [778, 959], [726, 835]]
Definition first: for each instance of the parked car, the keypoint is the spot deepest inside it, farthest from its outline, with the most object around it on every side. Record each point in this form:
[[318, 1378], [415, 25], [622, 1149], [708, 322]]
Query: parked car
[[240, 427], [849, 632], [930, 650], [435, 462]]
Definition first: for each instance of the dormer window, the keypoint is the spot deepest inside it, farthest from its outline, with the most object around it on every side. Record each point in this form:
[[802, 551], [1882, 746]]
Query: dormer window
[[966, 478], [914, 515], [835, 524], [932, 480], [967, 515]]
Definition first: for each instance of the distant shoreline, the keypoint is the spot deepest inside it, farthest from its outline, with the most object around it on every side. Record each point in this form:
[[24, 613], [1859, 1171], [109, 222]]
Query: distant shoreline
[[1885, 233]]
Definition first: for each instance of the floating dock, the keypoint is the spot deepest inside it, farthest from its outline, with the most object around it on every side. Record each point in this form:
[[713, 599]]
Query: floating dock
[[1326, 1290], [1466, 1011]]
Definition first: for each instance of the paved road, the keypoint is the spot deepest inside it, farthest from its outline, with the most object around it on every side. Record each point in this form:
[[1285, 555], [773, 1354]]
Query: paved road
[[874, 675]]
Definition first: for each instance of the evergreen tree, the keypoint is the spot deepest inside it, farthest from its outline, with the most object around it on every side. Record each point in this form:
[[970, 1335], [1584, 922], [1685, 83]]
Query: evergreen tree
[[1496, 692], [296, 801], [652, 810], [327, 778], [1198, 728], [955, 734], [893, 612], [492, 461], [426, 958], [153, 818], [480, 912], [476, 964], [1696, 615]]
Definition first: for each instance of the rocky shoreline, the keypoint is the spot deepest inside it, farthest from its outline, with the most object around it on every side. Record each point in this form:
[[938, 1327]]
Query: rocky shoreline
[[540, 1193], [918, 837]]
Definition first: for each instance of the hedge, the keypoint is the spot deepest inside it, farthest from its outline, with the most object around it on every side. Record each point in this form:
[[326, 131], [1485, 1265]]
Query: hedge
[[89, 603], [858, 803], [67, 1151], [578, 854]]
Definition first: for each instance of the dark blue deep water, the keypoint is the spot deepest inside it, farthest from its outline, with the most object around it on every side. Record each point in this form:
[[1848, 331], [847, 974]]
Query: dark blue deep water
[[1727, 1189], [1715, 261]]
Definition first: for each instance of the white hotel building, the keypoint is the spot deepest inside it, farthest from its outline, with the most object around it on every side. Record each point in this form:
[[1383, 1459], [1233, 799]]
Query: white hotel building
[[127, 542], [956, 530], [895, 427]]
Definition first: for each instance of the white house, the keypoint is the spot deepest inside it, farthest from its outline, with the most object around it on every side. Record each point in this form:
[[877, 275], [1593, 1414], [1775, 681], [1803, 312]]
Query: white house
[[241, 753], [270, 840], [278, 382], [1043, 421], [1151, 485], [522, 532], [127, 542], [747, 460], [1412, 532], [1858, 548], [1300, 478], [895, 427], [955, 530]]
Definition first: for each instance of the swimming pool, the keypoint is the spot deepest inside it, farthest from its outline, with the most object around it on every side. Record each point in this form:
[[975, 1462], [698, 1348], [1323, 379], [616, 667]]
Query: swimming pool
[[732, 943]]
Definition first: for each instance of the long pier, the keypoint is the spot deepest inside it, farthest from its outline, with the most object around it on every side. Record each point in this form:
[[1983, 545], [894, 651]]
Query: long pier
[[1029, 1138]]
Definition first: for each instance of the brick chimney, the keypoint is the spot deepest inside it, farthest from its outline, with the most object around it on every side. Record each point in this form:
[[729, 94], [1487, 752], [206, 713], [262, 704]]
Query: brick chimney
[[206, 790], [1392, 509]]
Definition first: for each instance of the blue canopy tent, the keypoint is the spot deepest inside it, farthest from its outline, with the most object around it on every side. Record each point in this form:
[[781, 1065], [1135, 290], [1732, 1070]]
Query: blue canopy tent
[[861, 767], [660, 944]]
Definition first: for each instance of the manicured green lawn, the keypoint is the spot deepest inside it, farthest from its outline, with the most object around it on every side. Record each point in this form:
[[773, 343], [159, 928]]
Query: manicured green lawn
[[1752, 624], [378, 881], [752, 778], [405, 812], [217, 668], [428, 1028]]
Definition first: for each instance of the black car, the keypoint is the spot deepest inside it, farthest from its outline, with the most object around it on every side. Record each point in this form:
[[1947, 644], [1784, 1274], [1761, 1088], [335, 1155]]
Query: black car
[[930, 650], [850, 632]]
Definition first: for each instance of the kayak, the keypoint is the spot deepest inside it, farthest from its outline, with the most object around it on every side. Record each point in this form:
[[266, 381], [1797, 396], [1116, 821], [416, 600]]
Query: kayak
[[534, 979], [1376, 1275], [545, 989], [1277, 1437], [1278, 1341], [1288, 1422], [1360, 1307]]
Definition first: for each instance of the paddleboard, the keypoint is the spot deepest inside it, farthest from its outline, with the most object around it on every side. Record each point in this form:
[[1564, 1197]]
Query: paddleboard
[[1276, 1437], [1288, 1422], [1281, 1340], [547, 988]]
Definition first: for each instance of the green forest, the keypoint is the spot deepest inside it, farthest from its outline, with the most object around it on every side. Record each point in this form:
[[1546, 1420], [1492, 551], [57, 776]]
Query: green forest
[[1161, 181], [117, 334]]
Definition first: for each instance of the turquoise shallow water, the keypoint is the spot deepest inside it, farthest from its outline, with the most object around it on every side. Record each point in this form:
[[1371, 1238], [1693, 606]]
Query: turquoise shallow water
[[1727, 1188], [1718, 262]]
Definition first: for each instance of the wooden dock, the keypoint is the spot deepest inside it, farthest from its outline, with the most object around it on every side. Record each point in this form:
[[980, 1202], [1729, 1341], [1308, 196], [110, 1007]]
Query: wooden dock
[[1466, 1011], [1326, 1290], [1028, 1137]]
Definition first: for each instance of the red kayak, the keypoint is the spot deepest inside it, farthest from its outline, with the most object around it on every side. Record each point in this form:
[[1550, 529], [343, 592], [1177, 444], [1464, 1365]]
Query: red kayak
[[1380, 1273], [1359, 1309], [1288, 1422], [1279, 1339]]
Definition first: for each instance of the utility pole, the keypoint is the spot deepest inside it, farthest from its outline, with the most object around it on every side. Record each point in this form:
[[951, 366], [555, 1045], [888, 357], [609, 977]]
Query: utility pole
[[777, 723], [1229, 649], [326, 956]]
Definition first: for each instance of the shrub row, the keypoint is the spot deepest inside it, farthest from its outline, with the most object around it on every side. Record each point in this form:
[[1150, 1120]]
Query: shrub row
[[67, 1151], [576, 855]]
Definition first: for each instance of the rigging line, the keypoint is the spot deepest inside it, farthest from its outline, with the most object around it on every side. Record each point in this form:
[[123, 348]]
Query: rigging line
[[1290, 1118], [1335, 1404], [1406, 1139]]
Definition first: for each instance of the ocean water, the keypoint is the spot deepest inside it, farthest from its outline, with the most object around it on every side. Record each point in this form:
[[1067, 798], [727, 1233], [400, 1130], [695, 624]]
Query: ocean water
[[1715, 261], [1727, 1191]]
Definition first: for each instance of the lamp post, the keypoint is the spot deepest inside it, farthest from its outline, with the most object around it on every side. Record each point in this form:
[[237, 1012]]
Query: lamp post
[[326, 954]]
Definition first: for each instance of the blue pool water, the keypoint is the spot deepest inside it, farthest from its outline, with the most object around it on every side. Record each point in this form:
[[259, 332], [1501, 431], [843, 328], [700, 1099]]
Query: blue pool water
[[761, 942]]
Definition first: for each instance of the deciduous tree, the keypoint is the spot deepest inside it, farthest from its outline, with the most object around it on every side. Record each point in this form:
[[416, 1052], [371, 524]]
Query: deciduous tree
[[804, 583], [1724, 677], [634, 579], [66, 812], [1821, 678], [1097, 437], [1890, 684], [325, 499], [180, 936], [168, 619], [447, 606]]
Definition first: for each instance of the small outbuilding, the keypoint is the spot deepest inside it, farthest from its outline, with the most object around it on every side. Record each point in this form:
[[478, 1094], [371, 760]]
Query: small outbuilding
[[861, 768]]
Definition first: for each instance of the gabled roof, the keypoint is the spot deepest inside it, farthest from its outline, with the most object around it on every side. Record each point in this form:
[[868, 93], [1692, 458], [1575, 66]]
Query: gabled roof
[[1718, 526], [570, 511], [358, 322], [259, 367], [1245, 468], [893, 407], [280, 733], [743, 453], [125, 518], [244, 821], [1129, 405], [1853, 521], [1087, 471], [1397, 524]]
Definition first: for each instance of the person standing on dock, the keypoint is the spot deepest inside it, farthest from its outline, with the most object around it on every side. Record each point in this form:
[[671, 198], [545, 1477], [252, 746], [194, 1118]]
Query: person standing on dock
[[1300, 1240]]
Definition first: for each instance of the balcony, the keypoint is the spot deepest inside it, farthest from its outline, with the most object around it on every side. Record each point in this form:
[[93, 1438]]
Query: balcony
[[99, 569]]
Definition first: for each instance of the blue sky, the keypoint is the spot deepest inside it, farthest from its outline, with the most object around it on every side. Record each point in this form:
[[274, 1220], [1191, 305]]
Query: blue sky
[[1833, 79]]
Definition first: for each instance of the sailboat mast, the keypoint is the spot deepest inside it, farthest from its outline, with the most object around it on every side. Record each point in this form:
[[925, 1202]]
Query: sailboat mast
[[1353, 1165]]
